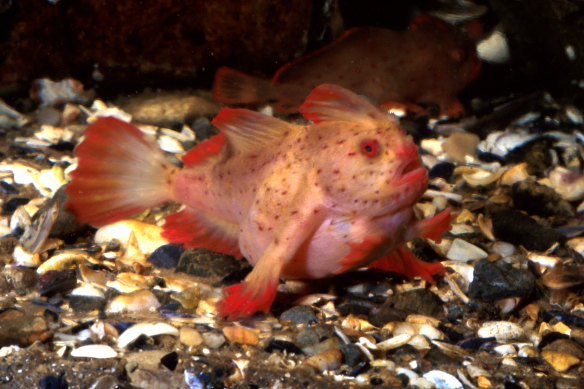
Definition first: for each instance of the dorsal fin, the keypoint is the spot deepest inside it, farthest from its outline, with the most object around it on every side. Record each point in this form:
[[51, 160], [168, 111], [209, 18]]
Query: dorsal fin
[[248, 131], [328, 102]]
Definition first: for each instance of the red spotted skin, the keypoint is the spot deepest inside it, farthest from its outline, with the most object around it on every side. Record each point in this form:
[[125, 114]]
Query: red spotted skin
[[297, 201], [428, 64]]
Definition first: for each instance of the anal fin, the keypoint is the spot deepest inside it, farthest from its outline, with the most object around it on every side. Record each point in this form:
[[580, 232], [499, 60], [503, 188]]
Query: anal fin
[[197, 229]]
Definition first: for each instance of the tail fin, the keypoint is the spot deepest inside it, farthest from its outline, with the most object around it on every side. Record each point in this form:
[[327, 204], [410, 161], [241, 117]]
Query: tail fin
[[120, 173], [234, 87]]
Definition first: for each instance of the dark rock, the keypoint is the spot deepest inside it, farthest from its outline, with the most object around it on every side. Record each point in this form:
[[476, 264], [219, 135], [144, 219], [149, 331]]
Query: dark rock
[[398, 306], [52, 382], [565, 317], [85, 299], [354, 306], [300, 314], [23, 329], [498, 280], [538, 199], [442, 169], [360, 368], [53, 282], [313, 335], [474, 343], [7, 188], [205, 263], [352, 355], [167, 256], [520, 229], [170, 360], [10, 206], [22, 279], [282, 345]]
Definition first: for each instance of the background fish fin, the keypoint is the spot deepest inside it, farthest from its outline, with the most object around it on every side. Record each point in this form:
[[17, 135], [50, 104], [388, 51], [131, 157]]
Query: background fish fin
[[328, 102], [197, 229], [120, 173], [204, 150], [249, 131], [234, 87]]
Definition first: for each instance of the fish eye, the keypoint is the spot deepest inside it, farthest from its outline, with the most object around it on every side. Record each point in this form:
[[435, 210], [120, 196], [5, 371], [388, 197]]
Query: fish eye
[[370, 147], [457, 55]]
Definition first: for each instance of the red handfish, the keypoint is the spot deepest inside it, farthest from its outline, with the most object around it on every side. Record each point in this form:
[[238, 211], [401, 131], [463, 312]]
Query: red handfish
[[428, 64], [297, 201]]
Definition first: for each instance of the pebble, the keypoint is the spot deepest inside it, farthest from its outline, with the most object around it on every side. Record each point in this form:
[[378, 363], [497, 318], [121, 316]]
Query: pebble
[[242, 335], [498, 280], [23, 329], [325, 360], [87, 298], [166, 257], [560, 361], [134, 302], [213, 340], [204, 263], [501, 330], [190, 336], [300, 314], [537, 199], [566, 346]]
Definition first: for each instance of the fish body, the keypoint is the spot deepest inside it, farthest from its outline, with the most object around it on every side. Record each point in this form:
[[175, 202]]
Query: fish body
[[429, 64], [297, 201]]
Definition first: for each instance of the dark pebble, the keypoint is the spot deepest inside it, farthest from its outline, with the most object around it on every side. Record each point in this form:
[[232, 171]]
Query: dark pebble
[[52, 382], [520, 229], [360, 368], [538, 199], [313, 335], [22, 328], [567, 318], [65, 226], [86, 303], [439, 358], [167, 256], [283, 345], [493, 281], [474, 343], [204, 263], [300, 314], [53, 282], [352, 355], [8, 188], [398, 306], [170, 360], [442, 170], [15, 202], [376, 381], [354, 306]]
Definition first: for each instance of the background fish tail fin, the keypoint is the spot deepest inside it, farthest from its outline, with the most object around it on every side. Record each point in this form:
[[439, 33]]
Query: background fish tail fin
[[234, 87], [120, 173]]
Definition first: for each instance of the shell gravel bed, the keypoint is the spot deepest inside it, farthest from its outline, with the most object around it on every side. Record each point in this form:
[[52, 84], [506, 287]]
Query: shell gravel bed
[[121, 308]]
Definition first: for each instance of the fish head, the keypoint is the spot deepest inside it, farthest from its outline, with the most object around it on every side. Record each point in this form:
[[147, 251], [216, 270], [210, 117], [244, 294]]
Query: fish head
[[449, 55], [373, 169]]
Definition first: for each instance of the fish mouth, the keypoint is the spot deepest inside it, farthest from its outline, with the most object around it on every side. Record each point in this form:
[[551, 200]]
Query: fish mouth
[[413, 173]]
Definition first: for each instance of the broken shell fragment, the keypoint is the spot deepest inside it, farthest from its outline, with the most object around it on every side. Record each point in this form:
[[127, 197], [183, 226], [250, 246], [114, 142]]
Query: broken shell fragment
[[148, 236], [242, 335], [63, 261], [147, 329], [461, 250], [100, 351], [134, 302]]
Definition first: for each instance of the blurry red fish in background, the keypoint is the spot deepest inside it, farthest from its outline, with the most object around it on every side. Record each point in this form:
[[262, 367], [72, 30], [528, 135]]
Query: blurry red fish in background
[[427, 64]]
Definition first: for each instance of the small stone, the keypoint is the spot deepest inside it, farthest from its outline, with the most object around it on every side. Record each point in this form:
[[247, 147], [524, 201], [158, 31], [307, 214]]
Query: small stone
[[190, 336], [213, 340], [484, 382], [167, 256], [443, 380], [498, 280], [566, 346], [325, 360], [22, 279], [241, 335], [300, 314], [352, 355], [520, 229], [133, 302], [501, 330], [541, 200], [560, 361], [204, 263], [420, 301]]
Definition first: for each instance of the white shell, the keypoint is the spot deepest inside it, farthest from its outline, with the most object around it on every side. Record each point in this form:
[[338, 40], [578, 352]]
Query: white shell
[[461, 250], [501, 330], [148, 329], [101, 351], [443, 380]]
